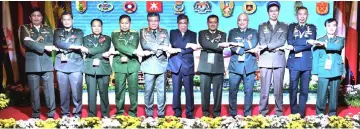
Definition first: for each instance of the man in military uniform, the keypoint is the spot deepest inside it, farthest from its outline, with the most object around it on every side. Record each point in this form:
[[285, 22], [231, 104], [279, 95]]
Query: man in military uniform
[[96, 68], [126, 65], [38, 41], [328, 67], [211, 65], [69, 64], [156, 40], [242, 65], [272, 36], [299, 61]]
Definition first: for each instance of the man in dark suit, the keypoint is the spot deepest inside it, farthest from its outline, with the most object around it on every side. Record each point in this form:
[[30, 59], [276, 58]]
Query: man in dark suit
[[181, 65], [156, 40], [299, 61], [38, 41], [242, 65], [69, 64], [272, 37], [211, 65]]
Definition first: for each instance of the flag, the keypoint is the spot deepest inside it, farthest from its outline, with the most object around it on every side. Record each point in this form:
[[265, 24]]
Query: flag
[[50, 21], [351, 45], [154, 6], [340, 17], [8, 36], [49, 15]]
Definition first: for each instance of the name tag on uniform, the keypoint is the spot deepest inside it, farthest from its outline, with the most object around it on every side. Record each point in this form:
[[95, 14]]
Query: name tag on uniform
[[241, 57], [328, 64], [96, 62], [64, 58], [211, 58], [299, 54]]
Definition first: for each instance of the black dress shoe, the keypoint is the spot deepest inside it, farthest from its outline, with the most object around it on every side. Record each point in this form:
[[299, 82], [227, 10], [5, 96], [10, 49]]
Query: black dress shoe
[[161, 116], [190, 117]]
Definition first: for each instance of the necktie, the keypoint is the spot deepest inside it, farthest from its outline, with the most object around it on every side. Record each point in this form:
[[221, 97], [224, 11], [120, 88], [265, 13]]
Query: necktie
[[154, 33]]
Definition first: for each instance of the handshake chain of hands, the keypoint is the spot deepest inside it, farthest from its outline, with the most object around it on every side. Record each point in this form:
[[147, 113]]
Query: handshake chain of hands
[[136, 52], [316, 42], [40, 38], [230, 44]]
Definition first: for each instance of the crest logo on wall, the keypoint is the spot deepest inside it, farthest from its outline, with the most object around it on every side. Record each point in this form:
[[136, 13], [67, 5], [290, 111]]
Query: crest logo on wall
[[154, 6], [179, 7], [81, 6], [105, 7], [129, 7], [249, 7], [202, 7], [227, 8], [322, 7]]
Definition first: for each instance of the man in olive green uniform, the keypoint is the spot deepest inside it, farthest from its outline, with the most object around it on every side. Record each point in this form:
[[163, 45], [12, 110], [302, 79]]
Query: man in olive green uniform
[[126, 65], [97, 69], [69, 63], [38, 41]]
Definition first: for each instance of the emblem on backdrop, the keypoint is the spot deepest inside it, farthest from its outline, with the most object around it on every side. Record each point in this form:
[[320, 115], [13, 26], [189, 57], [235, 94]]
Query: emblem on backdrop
[[297, 5], [322, 7], [227, 8], [105, 7], [129, 6], [249, 7], [81, 6], [179, 7], [202, 7], [154, 6]]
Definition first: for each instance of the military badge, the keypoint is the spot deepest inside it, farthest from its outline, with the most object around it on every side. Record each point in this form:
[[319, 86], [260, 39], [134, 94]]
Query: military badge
[[81, 6], [297, 5], [266, 29], [129, 7], [202, 7], [179, 7], [322, 7], [105, 7], [249, 7], [102, 39], [227, 8]]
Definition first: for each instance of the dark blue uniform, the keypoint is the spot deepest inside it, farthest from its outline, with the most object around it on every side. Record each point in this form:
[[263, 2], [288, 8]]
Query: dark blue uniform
[[299, 64]]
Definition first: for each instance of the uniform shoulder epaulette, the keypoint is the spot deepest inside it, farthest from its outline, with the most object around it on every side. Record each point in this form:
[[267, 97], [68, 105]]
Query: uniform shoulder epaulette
[[76, 29], [292, 24], [133, 31], [284, 23], [59, 29], [117, 30], [322, 37]]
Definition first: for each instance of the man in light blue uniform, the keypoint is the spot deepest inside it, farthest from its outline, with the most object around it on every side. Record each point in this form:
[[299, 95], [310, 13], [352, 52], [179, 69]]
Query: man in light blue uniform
[[328, 67], [242, 65]]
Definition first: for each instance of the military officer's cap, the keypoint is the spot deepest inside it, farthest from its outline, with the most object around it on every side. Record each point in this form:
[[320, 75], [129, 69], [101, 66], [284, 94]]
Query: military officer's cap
[[276, 3]]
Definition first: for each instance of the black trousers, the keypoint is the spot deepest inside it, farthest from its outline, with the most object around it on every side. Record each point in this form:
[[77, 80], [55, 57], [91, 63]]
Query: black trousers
[[34, 84], [205, 87]]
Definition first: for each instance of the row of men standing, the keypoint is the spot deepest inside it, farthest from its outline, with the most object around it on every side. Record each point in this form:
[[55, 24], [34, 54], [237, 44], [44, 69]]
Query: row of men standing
[[245, 43]]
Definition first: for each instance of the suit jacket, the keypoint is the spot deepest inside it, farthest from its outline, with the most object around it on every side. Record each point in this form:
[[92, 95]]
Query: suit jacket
[[126, 43], [63, 40], [37, 59], [332, 51], [155, 63], [209, 42], [96, 47], [297, 37], [184, 60], [249, 38], [273, 38]]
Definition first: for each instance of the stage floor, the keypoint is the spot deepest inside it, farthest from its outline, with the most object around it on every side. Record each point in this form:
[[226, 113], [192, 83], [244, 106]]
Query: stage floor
[[197, 96]]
